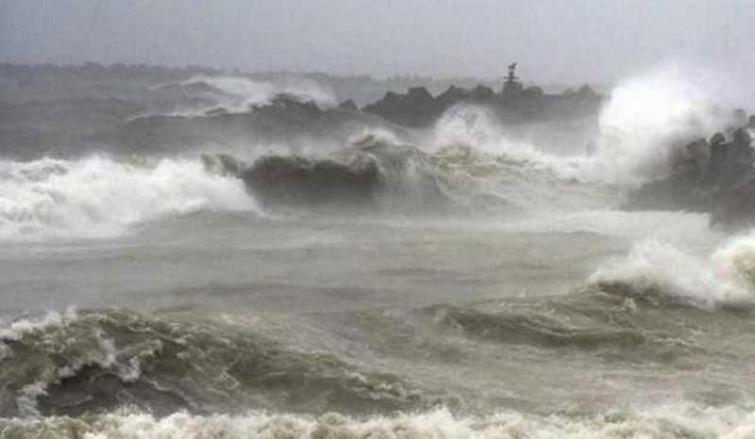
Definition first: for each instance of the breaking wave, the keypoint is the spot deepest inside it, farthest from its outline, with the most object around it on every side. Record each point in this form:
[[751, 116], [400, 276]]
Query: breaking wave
[[100, 197], [661, 273], [237, 93], [475, 127], [677, 421], [646, 118]]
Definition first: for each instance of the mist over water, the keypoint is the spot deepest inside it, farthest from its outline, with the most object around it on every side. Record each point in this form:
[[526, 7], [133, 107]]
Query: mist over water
[[238, 94], [466, 279]]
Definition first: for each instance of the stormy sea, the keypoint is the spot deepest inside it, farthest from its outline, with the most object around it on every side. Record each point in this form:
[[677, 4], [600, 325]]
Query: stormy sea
[[199, 254]]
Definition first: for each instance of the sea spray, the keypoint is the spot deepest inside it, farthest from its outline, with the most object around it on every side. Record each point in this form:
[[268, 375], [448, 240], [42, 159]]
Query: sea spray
[[644, 120], [660, 272], [238, 93], [647, 117], [100, 197]]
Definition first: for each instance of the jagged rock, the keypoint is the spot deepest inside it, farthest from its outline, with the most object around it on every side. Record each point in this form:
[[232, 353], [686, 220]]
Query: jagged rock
[[716, 177], [481, 93], [452, 95], [533, 91], [290, 104], [416, 108], [284, 120], [515, 104], [585, 92], [348, 105]]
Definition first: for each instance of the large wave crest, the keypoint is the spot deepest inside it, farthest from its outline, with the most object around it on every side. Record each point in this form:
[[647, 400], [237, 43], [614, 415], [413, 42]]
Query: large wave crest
[[98, 197]]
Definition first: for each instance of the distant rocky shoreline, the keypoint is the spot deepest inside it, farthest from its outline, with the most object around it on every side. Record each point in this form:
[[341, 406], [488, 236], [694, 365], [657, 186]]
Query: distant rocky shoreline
[[69, 111]]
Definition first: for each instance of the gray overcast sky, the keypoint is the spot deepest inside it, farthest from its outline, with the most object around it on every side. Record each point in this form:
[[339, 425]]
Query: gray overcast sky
[[564, 41]]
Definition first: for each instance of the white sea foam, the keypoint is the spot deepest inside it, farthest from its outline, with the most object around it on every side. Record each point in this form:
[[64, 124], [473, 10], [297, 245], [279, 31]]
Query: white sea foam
[[672, 421], [475, 127], [723, 278], [59, 330], [15, 330], [645, 119], [260, 92], [99, 197], [238, 93]]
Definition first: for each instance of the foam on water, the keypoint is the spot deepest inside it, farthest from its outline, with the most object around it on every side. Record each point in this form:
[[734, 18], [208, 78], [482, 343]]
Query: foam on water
[[99, 197], [676, 421], [474, 126], [662, 271], [15, 330]]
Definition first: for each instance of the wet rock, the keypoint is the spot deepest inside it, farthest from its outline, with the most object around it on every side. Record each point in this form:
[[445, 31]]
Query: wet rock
[[415, 108], [716, 177], [348, 105], [481, 93], [452, 95]]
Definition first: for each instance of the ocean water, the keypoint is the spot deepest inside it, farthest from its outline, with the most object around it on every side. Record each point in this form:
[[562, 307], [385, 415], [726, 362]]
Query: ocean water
[[159, 298]]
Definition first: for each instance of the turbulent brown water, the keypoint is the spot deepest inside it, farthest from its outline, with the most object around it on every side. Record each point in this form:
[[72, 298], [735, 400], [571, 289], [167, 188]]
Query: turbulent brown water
[[161, 298]]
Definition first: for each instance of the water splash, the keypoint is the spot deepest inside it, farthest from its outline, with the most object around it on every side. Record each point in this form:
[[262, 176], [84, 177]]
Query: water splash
[[98, 197]]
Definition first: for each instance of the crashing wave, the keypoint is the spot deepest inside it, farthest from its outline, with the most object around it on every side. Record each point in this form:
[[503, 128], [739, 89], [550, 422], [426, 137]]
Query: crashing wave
[[379, 172], [638, 129], [660, 273], [672, 421], [372, 174], [100, 197], [647, 118], [237, 94]]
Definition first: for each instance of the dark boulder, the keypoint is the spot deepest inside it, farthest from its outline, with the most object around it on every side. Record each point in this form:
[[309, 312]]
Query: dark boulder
[[716, 177], [348, 105], [481, 93], [452, 95], [415, 108]]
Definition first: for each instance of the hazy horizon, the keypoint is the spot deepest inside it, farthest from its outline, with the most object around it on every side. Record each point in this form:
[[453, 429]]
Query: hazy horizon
[[554, 43], [192, 253]]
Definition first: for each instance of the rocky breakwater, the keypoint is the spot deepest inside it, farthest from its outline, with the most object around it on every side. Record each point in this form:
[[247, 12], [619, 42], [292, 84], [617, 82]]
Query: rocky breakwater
[[713, 175]]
